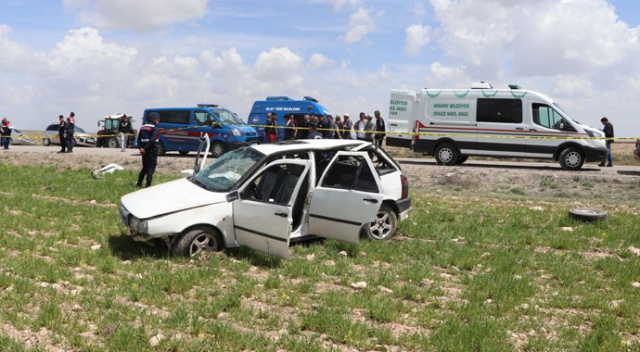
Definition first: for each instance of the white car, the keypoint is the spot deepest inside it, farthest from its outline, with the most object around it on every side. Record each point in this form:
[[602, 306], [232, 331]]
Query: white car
[[267, 196]]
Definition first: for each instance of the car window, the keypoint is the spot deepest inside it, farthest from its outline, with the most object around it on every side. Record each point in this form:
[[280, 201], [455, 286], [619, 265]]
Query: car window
[[202, 118], [224, 172], [350, 172], [275, 184], [53, 127]]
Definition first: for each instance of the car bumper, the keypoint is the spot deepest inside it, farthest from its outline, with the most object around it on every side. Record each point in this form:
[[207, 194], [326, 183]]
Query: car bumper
[[594, 153], [404, 206]]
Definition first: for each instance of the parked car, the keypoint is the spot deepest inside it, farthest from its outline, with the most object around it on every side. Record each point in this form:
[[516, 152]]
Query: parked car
[[636, 151], [19, 138], [267, 196], [80, 137]]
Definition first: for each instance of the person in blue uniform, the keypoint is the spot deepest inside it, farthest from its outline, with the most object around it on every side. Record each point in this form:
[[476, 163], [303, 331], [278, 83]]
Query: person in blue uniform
[[147, 143], [69, 128]]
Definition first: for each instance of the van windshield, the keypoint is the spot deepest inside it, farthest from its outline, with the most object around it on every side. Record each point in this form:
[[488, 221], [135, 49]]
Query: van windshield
[[224, 172], [227, 117]]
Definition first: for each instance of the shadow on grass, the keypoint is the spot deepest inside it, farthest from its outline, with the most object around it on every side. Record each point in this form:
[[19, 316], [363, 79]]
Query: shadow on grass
[[125, 248], [629, 172]]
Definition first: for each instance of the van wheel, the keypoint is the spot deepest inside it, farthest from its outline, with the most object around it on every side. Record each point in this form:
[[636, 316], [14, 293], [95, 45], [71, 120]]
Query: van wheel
[[46, 142], [461, 160], [571, 158], [446, 154], [384, 226], [196, 241], [161, 149], [217, 149]]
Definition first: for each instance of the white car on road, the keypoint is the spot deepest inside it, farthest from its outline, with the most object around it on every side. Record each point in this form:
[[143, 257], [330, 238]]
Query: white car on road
[[269, 195]]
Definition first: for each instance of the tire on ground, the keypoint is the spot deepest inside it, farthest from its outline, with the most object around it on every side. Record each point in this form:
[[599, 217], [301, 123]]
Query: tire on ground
[[446, 154], [196, 241], [588, 214], [384, 226], [571, 158]]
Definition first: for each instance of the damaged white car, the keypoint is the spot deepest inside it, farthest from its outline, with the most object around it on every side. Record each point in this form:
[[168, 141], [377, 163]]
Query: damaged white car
[[270, 195]]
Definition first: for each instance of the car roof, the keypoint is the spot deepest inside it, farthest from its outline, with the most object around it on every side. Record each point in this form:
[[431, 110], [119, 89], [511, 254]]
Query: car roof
[[306, 144]]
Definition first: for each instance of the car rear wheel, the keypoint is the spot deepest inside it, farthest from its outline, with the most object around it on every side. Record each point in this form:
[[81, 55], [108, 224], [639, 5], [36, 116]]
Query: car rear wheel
[[46, 142], [384, 226], [161, 149], [196, 241]]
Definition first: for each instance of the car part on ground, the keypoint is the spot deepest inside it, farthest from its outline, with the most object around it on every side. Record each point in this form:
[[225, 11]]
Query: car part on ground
[[588, 214]]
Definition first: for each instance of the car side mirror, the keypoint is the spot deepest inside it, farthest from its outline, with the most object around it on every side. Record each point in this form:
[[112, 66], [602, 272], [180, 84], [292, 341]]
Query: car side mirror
[[233, 196], [216, 124]]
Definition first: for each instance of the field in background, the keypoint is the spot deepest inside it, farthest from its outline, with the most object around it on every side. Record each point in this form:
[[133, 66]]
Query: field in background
[[469, 271]]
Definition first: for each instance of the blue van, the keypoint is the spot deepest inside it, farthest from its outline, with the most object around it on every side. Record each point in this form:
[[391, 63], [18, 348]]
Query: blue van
[[180, 129], [281, 106]]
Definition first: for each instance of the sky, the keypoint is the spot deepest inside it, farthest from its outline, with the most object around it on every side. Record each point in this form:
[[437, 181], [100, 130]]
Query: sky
[[101, 57]]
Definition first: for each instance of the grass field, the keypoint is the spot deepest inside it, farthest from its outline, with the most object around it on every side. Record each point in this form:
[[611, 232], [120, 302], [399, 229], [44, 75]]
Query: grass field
[[466, 273]]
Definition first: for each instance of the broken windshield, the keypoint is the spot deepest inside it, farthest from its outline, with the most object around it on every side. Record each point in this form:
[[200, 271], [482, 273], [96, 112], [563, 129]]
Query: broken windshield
[[224, 172]]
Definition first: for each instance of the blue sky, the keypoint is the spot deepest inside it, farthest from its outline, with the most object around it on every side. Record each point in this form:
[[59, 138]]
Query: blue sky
[[98, 57]]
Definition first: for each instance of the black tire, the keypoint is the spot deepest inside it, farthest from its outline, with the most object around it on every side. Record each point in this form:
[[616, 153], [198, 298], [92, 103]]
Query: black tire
[[384, 226], [161, 149], [588, 214], [572, 159], [446, 154], [218, 148], [183, 152], [196, 241], [461, 160], [112, 142], [46, 142]]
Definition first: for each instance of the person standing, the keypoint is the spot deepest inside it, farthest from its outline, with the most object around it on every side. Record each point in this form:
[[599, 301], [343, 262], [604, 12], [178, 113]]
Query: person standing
[[339, 127], [359, 126], [313, 131], [147, 142], [608, 134], [380, 129], [69, 128], [62, 134], [347, 126], [290, 128], [369, 129], [124, 130], [7, 128], [271, 131], [303, 132]]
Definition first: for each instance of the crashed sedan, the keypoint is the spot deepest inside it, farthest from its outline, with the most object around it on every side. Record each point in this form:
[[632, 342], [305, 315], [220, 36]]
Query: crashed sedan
[[269, 195]]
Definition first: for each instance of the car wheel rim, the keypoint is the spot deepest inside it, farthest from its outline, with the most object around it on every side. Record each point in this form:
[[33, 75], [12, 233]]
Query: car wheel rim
[[445, 155], [217, 150], [203, 243], [573, 159], [381, 227]]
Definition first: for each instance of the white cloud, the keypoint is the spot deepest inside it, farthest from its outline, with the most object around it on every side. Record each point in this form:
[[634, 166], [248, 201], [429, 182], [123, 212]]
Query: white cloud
[[417, 37], [318, 61], [338, 5], [278, 64], [361, 23], [139, 14]]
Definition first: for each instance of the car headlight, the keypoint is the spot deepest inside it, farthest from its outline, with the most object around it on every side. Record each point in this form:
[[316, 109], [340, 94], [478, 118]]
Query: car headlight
[[236, 133], [140, 226]]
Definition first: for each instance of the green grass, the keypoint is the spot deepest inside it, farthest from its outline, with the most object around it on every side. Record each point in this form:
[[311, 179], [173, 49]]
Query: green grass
[[468, 272]]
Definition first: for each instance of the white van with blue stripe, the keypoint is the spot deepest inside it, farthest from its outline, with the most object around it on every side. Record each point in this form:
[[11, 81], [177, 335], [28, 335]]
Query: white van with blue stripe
[[453, 124]]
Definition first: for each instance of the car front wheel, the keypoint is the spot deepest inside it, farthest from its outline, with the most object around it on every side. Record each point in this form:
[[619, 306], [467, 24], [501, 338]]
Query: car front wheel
[[196, 241], [384, 226], [46, 142]]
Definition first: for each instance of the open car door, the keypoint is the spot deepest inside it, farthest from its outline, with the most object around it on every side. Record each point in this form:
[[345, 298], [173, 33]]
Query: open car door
[[265, 212], [348, 195]]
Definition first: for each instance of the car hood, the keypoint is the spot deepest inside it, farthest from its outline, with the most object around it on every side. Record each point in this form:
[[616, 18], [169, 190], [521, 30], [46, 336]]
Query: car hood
[[169, 197]]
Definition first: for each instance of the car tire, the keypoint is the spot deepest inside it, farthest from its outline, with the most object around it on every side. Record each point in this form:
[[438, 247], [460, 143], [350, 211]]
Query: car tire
[[196, 241], [46, 142], [161, 149], [112, 142], [184, 152], [384, 226], [571, 159], [588, 214], [217, 149], [461, 160], [446, 154]]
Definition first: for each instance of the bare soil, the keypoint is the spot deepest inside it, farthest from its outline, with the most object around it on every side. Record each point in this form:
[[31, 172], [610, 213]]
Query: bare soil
[[592, 185]]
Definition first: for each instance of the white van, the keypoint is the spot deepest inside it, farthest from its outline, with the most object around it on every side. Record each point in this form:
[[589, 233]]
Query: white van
[[453, 124]]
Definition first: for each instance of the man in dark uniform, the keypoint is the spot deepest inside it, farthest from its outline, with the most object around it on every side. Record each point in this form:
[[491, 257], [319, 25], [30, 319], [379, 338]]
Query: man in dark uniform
[[608, 133], [61, 134], [69, 128], [380, 128], [147, 142]]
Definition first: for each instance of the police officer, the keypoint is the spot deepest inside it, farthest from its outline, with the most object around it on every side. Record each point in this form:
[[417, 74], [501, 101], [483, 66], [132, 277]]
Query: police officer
[[147, 142], [69, 128]]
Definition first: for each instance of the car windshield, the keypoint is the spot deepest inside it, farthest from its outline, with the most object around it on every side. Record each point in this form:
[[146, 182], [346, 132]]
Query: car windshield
[[224, 172], [78, 129], [227, 117]]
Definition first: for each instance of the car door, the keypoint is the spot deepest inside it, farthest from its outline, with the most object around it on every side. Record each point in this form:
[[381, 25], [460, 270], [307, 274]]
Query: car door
[[348, 195], [263, 214]]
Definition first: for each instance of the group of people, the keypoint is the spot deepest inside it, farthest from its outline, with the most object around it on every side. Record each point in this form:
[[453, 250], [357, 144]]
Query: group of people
[[65, 132], [7, 128], [326, 127]]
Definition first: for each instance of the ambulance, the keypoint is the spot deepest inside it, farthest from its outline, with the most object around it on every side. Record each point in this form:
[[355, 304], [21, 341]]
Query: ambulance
[[454, 124]]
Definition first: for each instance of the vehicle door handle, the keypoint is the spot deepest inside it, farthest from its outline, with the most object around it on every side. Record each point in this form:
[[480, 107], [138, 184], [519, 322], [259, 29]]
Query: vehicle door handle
[[533, 130], [519, 128], [372, 200], [284, 215], [394, 124]]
